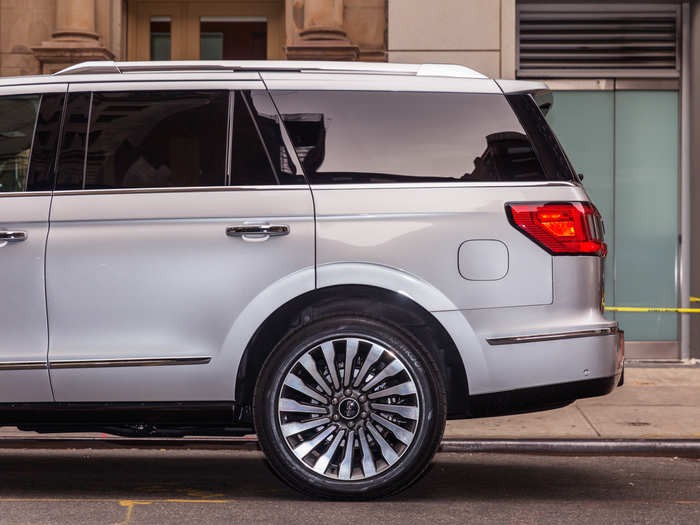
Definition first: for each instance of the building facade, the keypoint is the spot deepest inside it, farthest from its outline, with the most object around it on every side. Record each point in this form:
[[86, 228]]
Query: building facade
[[622, 73]]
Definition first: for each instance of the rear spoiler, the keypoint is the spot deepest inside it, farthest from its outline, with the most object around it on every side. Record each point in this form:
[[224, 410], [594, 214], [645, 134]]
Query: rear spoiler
[[539, 91]]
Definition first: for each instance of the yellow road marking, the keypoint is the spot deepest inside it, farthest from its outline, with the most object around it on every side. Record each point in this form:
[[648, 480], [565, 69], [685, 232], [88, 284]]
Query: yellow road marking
[[129, 504]]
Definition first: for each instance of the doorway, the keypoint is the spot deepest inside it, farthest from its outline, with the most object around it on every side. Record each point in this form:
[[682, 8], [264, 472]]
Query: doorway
[[205, 30]]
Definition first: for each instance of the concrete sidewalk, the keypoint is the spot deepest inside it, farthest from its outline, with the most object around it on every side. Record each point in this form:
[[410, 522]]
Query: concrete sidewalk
[[653, 403]]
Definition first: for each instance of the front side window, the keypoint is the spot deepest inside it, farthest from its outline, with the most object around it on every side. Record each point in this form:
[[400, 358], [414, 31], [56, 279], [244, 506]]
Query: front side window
[[377, 137], [17, 120]]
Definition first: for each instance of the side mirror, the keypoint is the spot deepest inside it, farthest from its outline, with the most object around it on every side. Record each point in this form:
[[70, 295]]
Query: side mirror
[[580, 176]]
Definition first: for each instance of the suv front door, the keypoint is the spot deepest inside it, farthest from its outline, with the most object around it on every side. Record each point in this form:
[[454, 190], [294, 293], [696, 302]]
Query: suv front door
[[25, 198], [146, 269]]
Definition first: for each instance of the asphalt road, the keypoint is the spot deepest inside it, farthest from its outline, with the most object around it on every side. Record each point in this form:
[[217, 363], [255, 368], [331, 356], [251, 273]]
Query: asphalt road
[[210, 487]]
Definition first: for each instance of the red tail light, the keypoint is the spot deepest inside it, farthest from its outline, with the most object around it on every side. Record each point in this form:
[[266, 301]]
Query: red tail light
[[561, 228]]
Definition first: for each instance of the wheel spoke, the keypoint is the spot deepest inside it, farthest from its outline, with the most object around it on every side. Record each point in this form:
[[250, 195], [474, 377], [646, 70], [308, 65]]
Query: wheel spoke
[[289, 429], [310, 366], [297, 384], [389, 453], [401, 433], [372, 357], [402, 410], [346, 466], [289, 405], [307, 446], [350, 352], [329, 354], [389, 370], [367, 460], [322, 462], [403, 389]]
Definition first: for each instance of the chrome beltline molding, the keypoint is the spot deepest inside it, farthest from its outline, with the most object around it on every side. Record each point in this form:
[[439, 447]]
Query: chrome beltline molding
[[23, 365], [138, 361], [495, 341], [105, 363]]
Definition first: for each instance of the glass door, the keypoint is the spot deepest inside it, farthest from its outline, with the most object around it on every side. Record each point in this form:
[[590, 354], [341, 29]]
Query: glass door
[[626, 143]]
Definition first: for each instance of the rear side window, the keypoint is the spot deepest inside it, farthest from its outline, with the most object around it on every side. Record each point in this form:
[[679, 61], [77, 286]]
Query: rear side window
[[156, 139], [377, 137], [163, 139], [17, 120]]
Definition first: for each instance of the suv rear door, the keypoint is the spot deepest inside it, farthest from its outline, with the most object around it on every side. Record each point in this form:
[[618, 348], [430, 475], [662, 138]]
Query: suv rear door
[[147, 265], [29, 115]]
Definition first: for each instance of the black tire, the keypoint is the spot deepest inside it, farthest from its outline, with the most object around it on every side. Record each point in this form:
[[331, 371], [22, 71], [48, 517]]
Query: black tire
[[427, 427]]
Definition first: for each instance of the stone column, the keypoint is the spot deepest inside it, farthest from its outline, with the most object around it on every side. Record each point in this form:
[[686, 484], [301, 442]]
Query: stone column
[[74, 39], [323, 37]]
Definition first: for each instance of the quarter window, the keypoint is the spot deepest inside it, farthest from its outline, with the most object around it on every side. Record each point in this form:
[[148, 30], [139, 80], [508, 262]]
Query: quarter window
[[48, 125], [16, 132], [250, 162], [377, 137]]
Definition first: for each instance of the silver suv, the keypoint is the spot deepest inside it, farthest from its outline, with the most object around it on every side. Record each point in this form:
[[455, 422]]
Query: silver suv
[[337, 256]]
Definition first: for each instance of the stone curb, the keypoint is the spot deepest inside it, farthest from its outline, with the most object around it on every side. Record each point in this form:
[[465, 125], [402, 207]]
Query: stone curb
[[687, 448]]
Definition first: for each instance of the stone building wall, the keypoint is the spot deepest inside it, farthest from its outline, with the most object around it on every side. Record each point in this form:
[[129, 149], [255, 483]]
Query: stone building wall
[[42, 36], [475, 33]]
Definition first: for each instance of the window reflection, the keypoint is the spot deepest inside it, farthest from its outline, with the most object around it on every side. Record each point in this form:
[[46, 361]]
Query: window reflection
[[154, 139], [16, 131], [373, 137]]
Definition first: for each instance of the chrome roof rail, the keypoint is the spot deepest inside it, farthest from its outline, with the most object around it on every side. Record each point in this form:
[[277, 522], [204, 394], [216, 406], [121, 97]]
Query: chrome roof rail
[[424, 70]]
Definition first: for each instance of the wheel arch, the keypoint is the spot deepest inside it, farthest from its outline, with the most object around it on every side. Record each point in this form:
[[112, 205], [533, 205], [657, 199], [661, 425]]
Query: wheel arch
[[375, 301]]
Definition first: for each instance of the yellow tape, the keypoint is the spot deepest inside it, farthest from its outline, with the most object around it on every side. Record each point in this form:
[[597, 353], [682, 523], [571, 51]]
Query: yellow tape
[[655, 309], [639, 309]]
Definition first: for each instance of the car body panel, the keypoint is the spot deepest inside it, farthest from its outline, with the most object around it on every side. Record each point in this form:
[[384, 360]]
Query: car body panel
[[128, 278], [23, 330]]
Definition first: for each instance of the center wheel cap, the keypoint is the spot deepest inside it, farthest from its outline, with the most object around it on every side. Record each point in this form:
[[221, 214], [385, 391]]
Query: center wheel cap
[[348, 408]]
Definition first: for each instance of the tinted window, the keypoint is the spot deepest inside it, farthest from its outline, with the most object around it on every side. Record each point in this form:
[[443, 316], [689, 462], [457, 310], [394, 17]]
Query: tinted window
[[551, 154], [265, 115], [250, 162], [372, 137], [71, 160], [17, 119], [48, 126], [156, 139]]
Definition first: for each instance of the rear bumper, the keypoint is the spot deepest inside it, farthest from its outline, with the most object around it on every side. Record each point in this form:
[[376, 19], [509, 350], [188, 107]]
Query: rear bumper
[[538, 398]]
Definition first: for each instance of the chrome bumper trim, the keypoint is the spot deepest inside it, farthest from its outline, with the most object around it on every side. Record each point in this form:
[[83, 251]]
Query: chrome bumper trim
[[139, 361], [551, 337]]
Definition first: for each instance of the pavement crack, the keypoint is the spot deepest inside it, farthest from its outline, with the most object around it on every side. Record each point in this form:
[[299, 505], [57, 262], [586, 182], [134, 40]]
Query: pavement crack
[[590, 423]]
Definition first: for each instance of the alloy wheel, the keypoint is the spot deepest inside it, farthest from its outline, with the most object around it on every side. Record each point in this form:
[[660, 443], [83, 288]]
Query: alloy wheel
[[348, 408]]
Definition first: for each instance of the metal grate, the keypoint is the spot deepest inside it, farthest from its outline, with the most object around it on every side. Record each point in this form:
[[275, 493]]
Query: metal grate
[[595, 40]]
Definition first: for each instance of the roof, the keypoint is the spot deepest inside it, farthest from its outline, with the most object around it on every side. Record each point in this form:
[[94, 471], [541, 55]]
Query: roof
[[421, 70]]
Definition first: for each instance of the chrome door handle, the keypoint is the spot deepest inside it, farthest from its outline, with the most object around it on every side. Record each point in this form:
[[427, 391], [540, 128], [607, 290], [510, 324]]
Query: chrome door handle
[[266, 230], [10, 236]]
